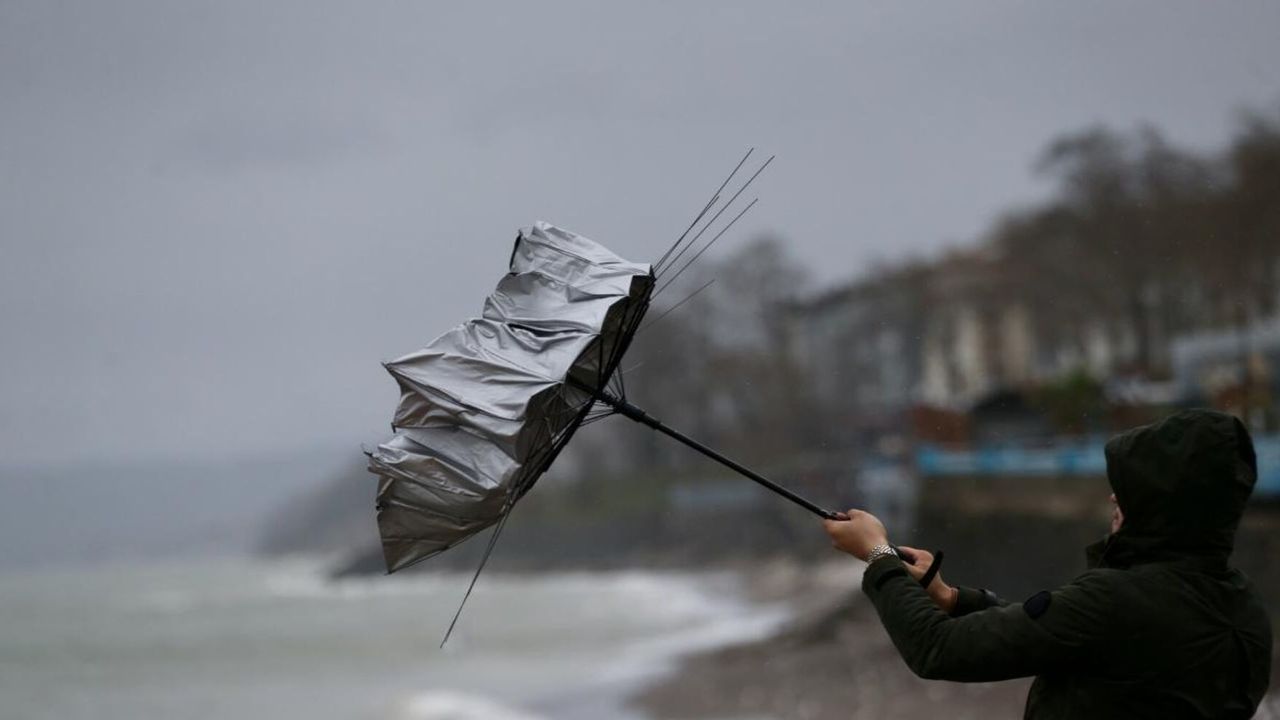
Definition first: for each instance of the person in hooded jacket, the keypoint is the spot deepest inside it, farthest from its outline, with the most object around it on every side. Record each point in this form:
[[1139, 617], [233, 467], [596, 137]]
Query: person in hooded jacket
[[1159, 626]]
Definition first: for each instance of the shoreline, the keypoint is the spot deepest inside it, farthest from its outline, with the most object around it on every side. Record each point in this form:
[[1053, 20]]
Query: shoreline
[[754, 605], [830, 660]]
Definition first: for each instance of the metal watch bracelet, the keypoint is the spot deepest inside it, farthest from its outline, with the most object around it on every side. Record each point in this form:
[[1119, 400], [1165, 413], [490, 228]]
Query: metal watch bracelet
[[880, 551]]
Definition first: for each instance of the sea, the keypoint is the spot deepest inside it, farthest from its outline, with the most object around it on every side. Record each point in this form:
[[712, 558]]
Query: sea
[[245, 639]]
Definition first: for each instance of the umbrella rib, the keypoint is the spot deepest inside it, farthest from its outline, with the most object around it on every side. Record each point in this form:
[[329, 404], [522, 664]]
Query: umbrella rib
[[624, 339], [559, 415], [596, 418], [672, 309], [663, 262], [706, 247], [615, 381], [719, 212], [697, 219], [627, 328], [488, 550], [714, 197], [554, 440], [600, 380]]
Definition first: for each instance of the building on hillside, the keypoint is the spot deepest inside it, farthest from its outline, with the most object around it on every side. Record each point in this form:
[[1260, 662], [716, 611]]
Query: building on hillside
[[1231, 368], [978, 338], [965, 332], [988, 334], [861, 345]]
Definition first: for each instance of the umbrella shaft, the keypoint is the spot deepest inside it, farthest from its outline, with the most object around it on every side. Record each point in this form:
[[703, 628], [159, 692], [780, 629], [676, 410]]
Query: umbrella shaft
[[631, 411]]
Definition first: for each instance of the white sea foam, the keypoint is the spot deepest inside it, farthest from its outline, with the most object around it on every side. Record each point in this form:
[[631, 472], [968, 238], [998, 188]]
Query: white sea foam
[[666, 615], [451, 705], [723, 622]]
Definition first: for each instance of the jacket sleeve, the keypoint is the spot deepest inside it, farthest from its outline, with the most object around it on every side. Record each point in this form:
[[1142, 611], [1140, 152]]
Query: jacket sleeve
[[969, 600], [997, 643]]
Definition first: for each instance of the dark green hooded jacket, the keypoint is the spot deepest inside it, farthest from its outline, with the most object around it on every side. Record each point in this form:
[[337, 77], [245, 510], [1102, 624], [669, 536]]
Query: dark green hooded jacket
[[1160, 626]]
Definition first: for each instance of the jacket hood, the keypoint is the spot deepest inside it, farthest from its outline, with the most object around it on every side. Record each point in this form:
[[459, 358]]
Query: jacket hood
[[1182, 485]]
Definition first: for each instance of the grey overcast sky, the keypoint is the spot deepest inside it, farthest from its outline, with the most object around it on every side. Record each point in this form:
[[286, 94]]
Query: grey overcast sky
[[218, 217]]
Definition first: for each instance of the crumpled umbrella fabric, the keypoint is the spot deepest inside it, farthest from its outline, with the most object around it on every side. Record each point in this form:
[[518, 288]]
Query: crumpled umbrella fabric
[[485, 407]]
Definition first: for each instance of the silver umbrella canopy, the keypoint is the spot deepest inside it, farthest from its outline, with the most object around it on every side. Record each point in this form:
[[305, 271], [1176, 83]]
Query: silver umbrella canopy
[[486, 407]]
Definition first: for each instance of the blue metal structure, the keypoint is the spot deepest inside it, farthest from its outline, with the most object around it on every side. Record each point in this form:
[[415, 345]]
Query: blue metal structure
[[1084, 458]]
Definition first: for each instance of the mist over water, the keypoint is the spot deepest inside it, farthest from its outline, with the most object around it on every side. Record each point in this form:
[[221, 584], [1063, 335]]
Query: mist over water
[[247, 640]]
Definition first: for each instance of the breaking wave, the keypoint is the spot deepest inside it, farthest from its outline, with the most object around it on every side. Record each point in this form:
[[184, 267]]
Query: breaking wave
[[450, 705]]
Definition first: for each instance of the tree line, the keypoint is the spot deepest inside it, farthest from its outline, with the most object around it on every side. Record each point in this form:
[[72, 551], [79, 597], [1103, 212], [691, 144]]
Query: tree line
[[1140, 239]]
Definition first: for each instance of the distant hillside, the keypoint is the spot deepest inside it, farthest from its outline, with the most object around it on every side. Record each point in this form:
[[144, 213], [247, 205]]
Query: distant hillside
[[89, 513], [607, 522], [335, 517]]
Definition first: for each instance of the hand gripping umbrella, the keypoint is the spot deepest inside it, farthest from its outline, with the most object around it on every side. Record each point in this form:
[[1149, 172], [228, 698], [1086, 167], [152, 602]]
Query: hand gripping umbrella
[[485, 408]]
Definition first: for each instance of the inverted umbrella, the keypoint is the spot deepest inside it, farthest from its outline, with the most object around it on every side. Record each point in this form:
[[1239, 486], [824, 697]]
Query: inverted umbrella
[[485, 408]]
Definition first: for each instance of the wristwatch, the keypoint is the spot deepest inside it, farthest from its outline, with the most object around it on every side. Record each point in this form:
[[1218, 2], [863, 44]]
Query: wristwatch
[[880, 551]]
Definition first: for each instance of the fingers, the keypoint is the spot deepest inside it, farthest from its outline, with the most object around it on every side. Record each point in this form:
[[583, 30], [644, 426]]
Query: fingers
[[916, 552], [840, 517]]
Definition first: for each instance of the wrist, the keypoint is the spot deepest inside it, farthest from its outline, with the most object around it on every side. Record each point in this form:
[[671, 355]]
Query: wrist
[[945, 596]]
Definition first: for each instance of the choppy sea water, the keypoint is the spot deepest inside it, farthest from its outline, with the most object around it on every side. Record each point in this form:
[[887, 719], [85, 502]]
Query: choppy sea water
[[247, 640]]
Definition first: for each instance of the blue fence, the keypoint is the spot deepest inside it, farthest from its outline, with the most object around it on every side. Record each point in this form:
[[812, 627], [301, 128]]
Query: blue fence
[[1081, 458]]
